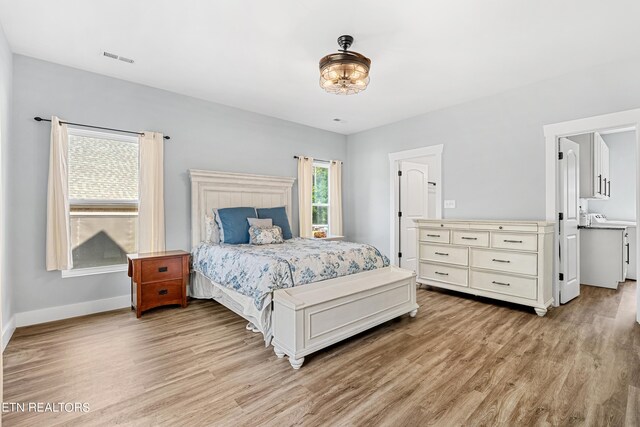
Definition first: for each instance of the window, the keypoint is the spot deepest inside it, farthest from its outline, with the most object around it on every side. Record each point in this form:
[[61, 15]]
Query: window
[[103, 199], [320, 200]]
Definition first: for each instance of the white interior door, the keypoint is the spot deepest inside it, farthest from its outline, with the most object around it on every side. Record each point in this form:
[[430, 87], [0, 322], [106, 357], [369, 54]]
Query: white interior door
[[413, 197], [569, 235]]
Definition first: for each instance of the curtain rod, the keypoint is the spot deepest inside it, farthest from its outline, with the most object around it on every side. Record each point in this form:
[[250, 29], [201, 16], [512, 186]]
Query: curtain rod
[[40, 119], [316, 160], [329, 161]]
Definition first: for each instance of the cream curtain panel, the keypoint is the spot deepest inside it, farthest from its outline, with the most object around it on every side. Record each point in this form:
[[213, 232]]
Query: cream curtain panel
[[305, 188], [151, 232], [58, 229], [335, 197]]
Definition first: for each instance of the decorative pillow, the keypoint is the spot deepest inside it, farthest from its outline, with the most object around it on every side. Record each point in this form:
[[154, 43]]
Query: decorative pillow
[[260, 223], [217, 219], [234, 225], [279, 217], [212, 231], [265, 235]]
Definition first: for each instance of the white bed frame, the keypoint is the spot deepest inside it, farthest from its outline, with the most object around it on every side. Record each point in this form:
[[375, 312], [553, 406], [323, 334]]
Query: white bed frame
[[310, 317]]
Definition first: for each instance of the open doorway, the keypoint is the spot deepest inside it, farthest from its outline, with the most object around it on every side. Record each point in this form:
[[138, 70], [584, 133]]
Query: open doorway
[[415, 178], [591, 187]]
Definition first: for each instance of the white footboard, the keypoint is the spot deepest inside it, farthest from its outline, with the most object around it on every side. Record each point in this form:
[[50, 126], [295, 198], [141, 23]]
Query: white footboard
[[311, 317]]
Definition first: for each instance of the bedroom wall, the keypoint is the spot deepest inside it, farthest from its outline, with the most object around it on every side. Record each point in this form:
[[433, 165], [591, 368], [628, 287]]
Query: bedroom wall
[[204, 135], [6, 89], [493, 158], [622, 157]]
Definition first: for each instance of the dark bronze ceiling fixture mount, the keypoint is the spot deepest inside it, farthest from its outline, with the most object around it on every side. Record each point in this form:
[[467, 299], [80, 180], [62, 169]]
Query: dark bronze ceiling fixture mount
[[345, 72]]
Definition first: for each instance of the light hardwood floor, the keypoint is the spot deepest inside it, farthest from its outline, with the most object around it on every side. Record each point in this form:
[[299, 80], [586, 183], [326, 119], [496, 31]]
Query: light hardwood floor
[[462, 360]]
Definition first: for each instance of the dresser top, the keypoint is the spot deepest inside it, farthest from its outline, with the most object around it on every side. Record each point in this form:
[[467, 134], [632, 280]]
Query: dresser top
[[484, 221], [157, 254]]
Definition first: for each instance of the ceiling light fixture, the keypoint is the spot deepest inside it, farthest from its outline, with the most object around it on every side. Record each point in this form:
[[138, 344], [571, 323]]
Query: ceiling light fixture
[[345, 72]]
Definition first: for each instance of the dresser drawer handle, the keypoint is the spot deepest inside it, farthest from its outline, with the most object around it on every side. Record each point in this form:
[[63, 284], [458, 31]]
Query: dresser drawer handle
[[469, 238], [442, 274], [163, 292], [163, 269], [433, 235], [500, 260], [512, 241], [441, 253], [501, 283]]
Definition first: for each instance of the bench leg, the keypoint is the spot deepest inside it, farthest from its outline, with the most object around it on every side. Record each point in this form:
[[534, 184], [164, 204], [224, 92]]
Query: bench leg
[[296, 363], [413, 313], [540, 311], [278, 352], [251, 327]]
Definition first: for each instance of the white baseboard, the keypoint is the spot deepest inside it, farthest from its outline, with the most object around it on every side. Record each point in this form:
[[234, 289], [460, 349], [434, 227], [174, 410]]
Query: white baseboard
[[50, 314], [7, 332]]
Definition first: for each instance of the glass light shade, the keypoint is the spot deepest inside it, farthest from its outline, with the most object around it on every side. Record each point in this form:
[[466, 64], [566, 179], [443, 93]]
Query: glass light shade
[[344, 73]]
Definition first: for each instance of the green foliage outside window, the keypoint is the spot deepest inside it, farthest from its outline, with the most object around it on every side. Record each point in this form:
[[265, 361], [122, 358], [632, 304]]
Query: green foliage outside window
[[320, 196], [320, 185]]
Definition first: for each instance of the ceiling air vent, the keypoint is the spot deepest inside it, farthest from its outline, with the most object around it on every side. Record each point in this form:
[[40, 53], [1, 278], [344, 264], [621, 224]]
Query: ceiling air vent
[[114, 56]]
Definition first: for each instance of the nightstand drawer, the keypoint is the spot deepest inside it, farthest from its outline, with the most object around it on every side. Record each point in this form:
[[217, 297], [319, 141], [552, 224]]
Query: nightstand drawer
[[162, 293], [157, 269]]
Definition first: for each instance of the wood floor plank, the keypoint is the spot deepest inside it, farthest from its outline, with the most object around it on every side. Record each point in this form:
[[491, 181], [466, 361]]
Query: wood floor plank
[[463, 360]]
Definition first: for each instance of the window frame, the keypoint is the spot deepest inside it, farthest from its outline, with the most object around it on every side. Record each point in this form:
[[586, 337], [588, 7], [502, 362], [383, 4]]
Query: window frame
[[115, 268], [324, 165]]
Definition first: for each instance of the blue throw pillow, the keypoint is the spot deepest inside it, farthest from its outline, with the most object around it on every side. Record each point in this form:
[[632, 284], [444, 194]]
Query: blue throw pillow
[[279, 217], [234, 224]]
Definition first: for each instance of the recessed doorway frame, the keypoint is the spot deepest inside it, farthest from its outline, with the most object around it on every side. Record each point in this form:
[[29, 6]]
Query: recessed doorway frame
[[395, 158], [552, 133]]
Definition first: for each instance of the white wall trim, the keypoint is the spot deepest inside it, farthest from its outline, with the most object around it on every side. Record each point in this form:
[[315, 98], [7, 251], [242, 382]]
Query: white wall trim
[[50, 314], [621, 119], [90, 271], [7, 332], [394, 158]]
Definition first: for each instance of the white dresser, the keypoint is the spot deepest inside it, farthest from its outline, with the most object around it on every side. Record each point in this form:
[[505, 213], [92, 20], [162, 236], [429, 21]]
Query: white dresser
[[505, 260]]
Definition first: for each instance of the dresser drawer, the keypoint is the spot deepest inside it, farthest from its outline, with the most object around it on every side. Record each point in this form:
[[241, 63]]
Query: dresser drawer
[[444, 273], [505, 227], [448, 254], [514, 262], [523, 242], [157, 269], [434, 235], [471, 238], [162, 293], [523, 287]]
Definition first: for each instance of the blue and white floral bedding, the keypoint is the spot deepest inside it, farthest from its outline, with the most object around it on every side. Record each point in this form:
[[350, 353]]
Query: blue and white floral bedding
[[256, 271]]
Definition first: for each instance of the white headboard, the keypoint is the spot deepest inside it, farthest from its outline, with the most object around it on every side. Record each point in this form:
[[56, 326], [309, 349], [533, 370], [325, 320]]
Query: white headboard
[[210, 190]]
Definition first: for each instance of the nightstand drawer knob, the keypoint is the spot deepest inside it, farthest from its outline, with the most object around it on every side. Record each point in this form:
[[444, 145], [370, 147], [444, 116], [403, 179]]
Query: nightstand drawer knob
[[163, 269], [163, 292]]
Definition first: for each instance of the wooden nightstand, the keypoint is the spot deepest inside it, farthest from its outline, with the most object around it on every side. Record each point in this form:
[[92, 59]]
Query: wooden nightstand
[[157, 279]]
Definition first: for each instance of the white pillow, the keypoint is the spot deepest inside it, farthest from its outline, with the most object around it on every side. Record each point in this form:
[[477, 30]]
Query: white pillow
[[212, 231], [260, 222], [218, 225]]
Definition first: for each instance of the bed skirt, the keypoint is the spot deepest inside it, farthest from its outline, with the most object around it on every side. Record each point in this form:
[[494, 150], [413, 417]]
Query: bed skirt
[[202, 288]]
